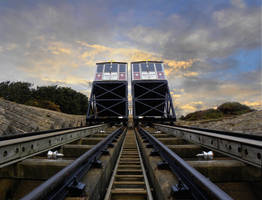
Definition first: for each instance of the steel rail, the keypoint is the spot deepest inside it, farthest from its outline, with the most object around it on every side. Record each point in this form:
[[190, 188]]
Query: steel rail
[[190, 179], [17, 149], [246, 149], [237, 134], [67, 180], [20, 135], [110, 185], [148, 189]]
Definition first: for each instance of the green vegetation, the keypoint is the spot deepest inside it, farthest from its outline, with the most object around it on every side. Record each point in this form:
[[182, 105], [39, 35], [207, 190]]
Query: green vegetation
[[224, 110], [56, 98], [233, 108]]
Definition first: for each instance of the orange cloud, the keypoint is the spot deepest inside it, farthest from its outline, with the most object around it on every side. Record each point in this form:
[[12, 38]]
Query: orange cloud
[[188, 107], [176, 96], [68, 80], [175, 65], [190, 74], [94, 51], [58, 48], [254, 104]]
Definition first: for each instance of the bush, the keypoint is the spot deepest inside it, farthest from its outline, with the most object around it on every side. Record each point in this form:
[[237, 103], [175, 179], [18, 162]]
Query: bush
[[225, 109], [203, 115], [233, 108]]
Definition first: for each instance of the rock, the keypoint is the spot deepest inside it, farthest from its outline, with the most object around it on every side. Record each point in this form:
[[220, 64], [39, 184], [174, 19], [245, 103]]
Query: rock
[[17, 118]]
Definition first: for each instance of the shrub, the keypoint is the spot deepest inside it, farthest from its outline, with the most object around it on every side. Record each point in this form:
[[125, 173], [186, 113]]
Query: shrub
[[233, 108], [204, 114]]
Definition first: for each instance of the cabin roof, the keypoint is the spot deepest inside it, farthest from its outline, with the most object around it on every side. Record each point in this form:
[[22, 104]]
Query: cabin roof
[[111, 62], [147, 62]]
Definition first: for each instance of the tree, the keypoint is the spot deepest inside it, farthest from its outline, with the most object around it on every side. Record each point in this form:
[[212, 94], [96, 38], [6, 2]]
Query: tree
[[51, 97], [19, 92]]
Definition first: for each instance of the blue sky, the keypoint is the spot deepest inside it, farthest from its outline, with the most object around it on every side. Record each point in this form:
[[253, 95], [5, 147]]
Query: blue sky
[[212, 49]]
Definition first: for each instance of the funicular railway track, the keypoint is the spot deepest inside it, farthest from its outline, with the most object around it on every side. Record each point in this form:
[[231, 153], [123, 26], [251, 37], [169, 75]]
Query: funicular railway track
[[141, 161], [129, 179], [172, 149], [88, 149]]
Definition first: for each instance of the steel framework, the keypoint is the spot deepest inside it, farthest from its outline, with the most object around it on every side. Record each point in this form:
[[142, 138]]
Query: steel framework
[[108, 102], [152, 101]]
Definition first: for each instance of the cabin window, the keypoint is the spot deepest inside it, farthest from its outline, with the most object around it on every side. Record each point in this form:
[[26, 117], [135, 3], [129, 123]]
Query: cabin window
[[122, 68], [135, 67], [159, 67], [99, 68], [107, 68], [143, 67], [151, 67], [114, 67]]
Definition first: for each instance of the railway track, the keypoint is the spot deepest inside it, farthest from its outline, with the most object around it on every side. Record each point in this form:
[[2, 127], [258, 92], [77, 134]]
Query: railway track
[[129, 179], [21, 174], [239, 178], [157, 162]]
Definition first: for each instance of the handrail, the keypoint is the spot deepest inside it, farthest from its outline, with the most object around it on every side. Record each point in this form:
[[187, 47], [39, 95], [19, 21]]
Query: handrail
[[59, 185], [199, 186]]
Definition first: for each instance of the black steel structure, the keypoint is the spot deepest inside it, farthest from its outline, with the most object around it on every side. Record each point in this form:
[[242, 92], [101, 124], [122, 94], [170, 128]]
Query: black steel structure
[[108, 102], [152, 101]]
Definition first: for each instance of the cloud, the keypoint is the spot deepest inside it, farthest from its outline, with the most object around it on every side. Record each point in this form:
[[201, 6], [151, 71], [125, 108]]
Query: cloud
[[70, 80], [190, 74], [188, 108], [50, 42], [215, 34], [254, 104]]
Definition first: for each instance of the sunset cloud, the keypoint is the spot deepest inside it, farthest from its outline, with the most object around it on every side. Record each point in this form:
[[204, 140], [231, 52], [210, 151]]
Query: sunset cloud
[[254, 104], [215, 59]]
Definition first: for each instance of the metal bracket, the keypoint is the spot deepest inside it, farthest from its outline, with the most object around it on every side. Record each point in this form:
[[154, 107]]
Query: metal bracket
[[105, 152], [149, 146], [180, 191], [111, 145], [97, 164], [162, 165], [154, 153], [77, 188], [145, 140]]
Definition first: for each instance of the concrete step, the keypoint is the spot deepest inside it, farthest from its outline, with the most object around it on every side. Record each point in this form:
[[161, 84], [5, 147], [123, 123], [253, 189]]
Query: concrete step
[[186, 150], [91, 140], [170, 141], [75, 150]]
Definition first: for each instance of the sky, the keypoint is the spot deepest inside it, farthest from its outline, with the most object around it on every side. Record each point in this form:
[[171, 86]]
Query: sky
[[211, 49]]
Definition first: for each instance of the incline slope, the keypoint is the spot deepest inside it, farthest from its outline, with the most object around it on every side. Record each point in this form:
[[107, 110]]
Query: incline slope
[[18, 118]]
